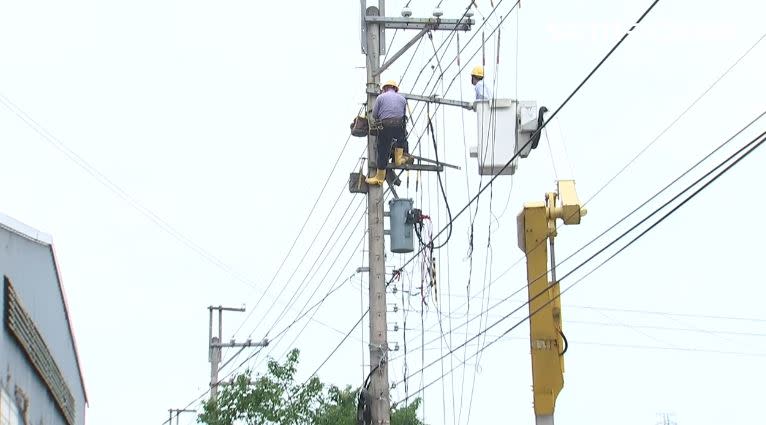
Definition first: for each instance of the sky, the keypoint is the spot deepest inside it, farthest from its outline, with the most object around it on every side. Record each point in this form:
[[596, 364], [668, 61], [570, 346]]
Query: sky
[[174, 150]]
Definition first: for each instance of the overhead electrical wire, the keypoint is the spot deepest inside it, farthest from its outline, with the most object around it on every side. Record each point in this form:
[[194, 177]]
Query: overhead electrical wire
[[324, 222], [302, 313], [152, 216], [678, 118], [651, 198], [449, 38], [667, 313], [553, 115], [672, 123], [570, 96], [580, 343], [121, 193], [343, 268], [324, 278], [289, 306], [643, 204], [337, 347], [562, 105], [300, 232], [725, 166], [638, 208], [313, 267], [138, 206]]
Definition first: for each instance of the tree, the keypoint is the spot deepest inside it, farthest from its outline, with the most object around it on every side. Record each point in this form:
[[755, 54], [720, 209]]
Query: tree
[[340, 409], [275, 399], [272, 399]]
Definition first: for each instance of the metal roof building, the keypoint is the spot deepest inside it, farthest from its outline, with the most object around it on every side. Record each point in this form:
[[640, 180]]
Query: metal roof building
[[40, 377]]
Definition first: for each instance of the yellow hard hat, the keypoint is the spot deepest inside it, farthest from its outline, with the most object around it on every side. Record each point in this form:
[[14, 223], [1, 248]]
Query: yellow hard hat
[[391, 83], [478, 71]]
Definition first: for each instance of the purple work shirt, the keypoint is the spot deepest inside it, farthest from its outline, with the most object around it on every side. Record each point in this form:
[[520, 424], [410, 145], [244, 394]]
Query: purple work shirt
[[389, 105]]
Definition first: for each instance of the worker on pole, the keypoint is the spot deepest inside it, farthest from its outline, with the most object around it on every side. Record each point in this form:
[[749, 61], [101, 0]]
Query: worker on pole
[[389, 114], [477, 79]]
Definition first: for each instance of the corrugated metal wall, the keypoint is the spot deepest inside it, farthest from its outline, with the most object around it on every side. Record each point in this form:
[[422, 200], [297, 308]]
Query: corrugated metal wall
[[31, 268]]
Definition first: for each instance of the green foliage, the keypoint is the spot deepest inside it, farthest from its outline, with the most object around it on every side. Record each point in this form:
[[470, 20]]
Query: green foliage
[[275, 399], [339, 407], [272, 399]]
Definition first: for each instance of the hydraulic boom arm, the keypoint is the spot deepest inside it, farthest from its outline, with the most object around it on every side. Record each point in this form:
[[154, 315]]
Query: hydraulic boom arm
[[537, 230]]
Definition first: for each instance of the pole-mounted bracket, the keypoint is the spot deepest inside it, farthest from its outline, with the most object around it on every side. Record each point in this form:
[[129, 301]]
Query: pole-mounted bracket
[[248, 343], [402, 23]]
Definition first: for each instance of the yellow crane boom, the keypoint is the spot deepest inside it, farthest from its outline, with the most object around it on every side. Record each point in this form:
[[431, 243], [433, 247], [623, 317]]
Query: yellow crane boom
[[536, 226]]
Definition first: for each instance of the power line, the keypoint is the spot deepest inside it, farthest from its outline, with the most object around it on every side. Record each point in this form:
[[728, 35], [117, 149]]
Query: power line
[[290, 303], [348, 261], [337, 347], [666, 129], [743, 152], [120, 192], [305, 254], [674, 181], [306, 279], [308, 273], [673, 123], [300, 231], [314, 308], [665, 313], [206, 392], [651, 327], [646, 202], [642, 347], [677, 118], [537, 132]]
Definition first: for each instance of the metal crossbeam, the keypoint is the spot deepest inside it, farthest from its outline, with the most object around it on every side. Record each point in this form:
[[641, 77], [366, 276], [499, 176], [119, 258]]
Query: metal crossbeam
[[416, 167], [248, 343], [435, 99], [420, 23], [401, 51], [432, 161]]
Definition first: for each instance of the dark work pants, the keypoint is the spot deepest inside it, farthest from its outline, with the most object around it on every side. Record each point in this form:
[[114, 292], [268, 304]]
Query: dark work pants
[[388, 137]]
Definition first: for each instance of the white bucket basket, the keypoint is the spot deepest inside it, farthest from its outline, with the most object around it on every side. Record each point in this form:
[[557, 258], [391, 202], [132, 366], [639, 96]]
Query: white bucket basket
[[503, 127]]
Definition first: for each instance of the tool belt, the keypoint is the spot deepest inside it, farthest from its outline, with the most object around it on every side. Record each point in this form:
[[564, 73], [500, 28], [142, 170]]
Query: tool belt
[[392, 122]]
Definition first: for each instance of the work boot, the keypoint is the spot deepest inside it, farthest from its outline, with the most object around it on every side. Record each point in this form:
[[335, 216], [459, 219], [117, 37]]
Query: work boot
[[377, 179], [401, 158]]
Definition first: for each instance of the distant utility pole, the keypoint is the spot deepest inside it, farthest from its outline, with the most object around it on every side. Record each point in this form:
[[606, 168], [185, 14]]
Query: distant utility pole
[[178, 413], [373, 25], [666, 420], [215, 346]]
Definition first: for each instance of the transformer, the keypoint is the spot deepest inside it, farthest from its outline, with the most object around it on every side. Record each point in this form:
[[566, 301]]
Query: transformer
[[401, 232]]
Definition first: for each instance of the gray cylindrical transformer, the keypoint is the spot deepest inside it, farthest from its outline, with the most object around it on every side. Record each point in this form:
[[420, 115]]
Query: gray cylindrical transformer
[[401, 232]]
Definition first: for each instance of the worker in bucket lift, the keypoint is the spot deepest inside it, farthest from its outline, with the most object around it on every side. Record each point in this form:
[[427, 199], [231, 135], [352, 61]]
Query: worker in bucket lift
[[389, 111], [477, 79]]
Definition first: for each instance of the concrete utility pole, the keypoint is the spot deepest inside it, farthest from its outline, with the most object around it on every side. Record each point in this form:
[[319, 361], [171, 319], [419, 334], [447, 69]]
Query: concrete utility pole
[[666, 420], [374, 23], [378, 390], [215, 346], [178, 413]]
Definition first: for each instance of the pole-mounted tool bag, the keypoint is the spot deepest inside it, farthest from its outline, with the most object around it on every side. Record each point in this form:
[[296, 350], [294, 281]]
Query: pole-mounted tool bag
[[360, 127]]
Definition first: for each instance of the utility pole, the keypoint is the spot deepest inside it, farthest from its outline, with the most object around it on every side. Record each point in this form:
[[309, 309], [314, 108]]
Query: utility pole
[[666, 420], [178, 413], [379, 396], [374, 24], [215, 346]]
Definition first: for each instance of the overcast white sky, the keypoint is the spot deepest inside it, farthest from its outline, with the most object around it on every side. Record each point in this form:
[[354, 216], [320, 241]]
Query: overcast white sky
[[224, 119]]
